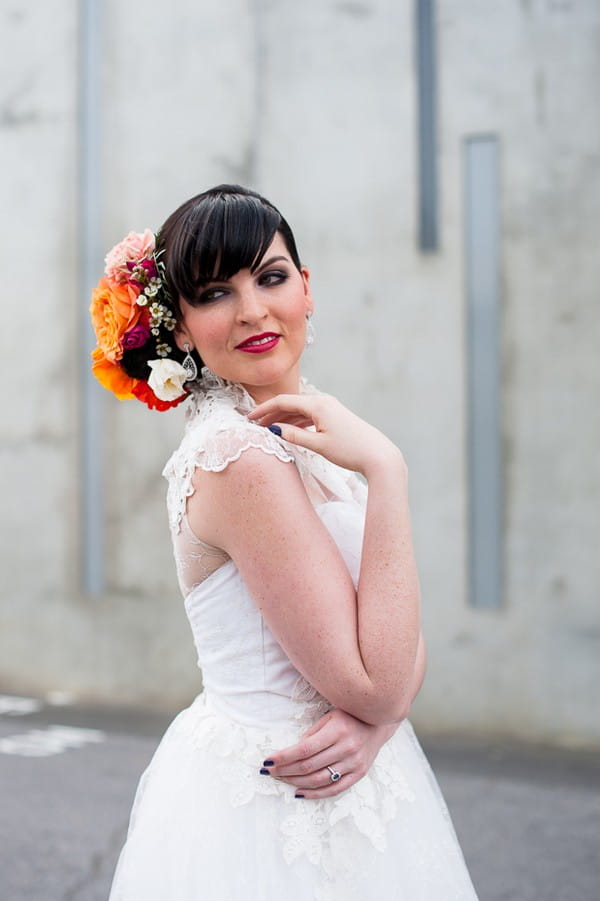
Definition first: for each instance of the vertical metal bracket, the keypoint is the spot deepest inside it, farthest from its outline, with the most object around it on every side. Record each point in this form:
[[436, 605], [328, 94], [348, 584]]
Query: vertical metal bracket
[[427, 130], [90, 254], [482, 260]]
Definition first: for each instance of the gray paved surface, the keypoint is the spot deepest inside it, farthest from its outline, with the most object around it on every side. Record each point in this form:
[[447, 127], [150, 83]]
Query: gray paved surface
[[528, 819]]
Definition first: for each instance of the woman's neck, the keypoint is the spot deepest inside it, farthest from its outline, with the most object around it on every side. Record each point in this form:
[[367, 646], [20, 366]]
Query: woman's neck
[[289, 384]]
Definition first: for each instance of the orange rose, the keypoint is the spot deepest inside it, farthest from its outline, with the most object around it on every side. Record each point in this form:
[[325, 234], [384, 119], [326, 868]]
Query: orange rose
[[112, 376], [114, 311]]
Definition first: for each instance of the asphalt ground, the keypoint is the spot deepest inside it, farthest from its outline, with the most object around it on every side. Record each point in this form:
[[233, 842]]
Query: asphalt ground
[[528, 818]]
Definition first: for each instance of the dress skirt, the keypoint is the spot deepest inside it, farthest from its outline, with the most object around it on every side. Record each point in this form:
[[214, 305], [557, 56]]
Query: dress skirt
[[207, 826]]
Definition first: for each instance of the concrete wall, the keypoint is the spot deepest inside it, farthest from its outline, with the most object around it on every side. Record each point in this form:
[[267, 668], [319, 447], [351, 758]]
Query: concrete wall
[[315, 105]]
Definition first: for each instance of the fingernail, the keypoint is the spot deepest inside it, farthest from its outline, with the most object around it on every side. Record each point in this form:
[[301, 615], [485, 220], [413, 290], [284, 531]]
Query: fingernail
[[275, 429], [264, 772], [298, 796], [268, 763]]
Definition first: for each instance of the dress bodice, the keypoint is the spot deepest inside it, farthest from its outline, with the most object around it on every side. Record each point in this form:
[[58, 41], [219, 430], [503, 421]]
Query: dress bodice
[[246, 673]]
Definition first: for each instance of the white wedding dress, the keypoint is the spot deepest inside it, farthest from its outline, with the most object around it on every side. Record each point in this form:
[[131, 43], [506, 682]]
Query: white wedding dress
[[205, 824]]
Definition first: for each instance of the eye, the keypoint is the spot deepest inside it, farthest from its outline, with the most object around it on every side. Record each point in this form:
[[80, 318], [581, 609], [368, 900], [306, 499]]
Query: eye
[[211, 294], [273, 277]]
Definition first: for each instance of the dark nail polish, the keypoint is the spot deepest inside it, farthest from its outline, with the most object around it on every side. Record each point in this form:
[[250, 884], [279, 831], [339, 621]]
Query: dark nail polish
[[264, 772], [298, 796], [268, 763], [275, 429]]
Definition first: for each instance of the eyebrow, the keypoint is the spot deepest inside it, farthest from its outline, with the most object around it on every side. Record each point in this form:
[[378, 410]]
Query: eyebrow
[[270, 262], [203, 282]]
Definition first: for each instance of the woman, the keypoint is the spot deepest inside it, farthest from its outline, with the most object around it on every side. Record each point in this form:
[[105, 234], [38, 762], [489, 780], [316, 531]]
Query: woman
[[295, 772]]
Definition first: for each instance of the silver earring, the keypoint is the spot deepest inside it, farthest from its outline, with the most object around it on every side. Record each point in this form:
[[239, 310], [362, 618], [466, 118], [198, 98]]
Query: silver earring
[[189, 364], [310, 330]]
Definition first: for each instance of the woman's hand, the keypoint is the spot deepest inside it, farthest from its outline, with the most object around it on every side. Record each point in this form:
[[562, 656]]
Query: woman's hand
[[338, 740], [338, 435]]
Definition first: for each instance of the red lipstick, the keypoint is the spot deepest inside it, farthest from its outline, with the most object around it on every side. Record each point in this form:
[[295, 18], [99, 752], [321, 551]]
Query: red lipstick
[[259, 344]]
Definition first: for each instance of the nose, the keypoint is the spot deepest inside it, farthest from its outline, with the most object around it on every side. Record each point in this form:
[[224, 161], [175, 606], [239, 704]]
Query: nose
[[251, 305]]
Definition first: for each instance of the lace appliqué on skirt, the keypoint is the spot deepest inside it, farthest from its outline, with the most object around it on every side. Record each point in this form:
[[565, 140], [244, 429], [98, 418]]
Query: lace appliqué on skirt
[[310, 829]]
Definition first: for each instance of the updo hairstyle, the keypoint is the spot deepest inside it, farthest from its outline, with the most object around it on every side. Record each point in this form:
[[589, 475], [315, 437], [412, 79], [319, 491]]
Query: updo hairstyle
[[210, 238]]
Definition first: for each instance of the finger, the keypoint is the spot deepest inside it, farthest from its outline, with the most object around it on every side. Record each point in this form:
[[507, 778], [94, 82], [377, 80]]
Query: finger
[[311, 765], [284, 403], [331, 790], [298, 419], [341, 752], [306, 748], [322, 777], [301, 437], [314, 781], [339, 755], [317, 738], [319, 724]]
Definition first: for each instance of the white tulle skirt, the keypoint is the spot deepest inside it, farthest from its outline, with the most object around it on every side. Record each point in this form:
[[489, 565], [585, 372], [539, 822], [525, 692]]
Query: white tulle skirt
[[206, 826]]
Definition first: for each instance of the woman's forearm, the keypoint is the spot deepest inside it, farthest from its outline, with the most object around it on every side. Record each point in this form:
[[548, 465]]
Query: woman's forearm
[[388, 600], [378, 623], [385, 731]]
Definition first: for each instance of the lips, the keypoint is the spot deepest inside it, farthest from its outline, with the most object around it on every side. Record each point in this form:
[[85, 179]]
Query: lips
[[258, 344]]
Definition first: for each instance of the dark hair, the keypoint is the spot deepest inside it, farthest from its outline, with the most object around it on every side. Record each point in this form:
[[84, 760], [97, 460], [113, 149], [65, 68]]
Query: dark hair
[[210, 237], [214, 235]]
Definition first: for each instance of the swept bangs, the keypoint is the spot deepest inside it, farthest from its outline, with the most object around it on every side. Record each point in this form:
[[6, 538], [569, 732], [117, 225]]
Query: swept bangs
[[214, 235]]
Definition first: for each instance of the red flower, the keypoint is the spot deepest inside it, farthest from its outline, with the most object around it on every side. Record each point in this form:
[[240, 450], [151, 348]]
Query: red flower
[[135, 337], [144, 392]]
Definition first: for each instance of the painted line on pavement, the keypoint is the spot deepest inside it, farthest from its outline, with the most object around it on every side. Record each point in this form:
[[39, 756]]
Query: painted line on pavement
[[49, 741], [11, 705]]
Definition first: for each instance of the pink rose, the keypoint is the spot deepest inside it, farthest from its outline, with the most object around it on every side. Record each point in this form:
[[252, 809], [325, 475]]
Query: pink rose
[[132, 249], [135, 337]]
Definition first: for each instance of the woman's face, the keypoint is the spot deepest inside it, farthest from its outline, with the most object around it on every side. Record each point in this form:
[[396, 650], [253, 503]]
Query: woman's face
[[251, 328]]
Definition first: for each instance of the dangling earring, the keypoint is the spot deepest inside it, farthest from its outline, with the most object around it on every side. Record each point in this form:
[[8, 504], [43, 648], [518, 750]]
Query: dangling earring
[[310, 330], [189, 364]]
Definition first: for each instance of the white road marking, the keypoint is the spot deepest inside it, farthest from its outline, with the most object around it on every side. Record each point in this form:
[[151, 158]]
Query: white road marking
[[52, 740], [13, 706], [60, 698]]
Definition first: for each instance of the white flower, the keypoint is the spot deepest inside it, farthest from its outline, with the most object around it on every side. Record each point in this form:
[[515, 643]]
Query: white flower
[[166, 379]]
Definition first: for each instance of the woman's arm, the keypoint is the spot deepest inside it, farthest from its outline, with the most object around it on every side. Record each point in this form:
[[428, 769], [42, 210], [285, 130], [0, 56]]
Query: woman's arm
[[358, 648], [339, 740]]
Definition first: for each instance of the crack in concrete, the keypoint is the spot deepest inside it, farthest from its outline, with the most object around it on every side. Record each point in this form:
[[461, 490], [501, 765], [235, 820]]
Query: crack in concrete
[[97, 862]]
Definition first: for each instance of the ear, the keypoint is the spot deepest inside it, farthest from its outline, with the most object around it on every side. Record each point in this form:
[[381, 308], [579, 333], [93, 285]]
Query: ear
[[305, 273], [182, 336]]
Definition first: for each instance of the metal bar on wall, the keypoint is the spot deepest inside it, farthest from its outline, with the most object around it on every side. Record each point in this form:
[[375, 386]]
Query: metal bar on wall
[[90, 257], [427, 130], [482, 245]]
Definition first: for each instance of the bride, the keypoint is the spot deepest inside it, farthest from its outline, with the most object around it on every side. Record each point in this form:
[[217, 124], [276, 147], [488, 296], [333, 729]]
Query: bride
[[295, 772]]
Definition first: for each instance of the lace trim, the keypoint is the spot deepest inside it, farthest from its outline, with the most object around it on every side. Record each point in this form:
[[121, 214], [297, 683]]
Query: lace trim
[[309, 830], [311, 704], [210, 384], [217, 434], [195, 560], [211, 459]]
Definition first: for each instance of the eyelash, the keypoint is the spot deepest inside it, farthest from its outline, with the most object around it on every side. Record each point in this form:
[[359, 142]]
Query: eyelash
[[269, 279]]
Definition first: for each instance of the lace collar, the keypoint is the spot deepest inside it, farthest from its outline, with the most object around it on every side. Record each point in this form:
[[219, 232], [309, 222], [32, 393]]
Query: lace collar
[[211, 386]]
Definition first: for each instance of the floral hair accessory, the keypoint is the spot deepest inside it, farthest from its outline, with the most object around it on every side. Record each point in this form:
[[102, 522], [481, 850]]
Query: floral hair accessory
[[131, 307], [166, 379]]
